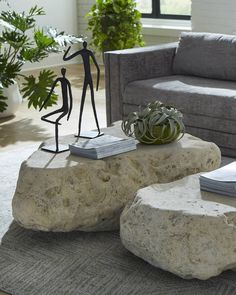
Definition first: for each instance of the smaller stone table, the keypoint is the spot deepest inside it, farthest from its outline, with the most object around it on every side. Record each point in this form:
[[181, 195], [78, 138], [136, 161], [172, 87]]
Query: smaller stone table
[[178, 228], [62, 192]]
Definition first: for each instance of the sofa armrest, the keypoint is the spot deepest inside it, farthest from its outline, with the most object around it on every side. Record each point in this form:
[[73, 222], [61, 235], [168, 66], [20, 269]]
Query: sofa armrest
[[124, 66]]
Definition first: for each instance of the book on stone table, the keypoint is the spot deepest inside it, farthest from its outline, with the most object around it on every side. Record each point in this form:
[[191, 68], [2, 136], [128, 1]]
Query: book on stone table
[[220, 181], [102, 146]]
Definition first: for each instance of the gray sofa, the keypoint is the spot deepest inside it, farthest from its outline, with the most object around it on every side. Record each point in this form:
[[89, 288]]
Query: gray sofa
[[197, 75]]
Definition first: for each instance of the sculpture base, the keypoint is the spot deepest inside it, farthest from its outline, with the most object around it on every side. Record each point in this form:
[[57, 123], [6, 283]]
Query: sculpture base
[[52, 148], [89, 134]]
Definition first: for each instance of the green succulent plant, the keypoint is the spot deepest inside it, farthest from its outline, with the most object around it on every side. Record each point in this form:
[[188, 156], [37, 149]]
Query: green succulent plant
[[115, 24], [155, 124], [22, 41]]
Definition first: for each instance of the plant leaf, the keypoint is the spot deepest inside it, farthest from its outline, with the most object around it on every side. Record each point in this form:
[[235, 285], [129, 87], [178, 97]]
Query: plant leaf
[[35, 10], [8, 70], [156, 123], [3, 104], [21, 21], [36, 91], [63, 39], [6, 25], [115, 24], [14, 39]]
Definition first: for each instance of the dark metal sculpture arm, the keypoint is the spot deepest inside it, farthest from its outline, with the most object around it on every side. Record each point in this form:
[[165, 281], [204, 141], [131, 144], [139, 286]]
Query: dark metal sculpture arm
[[65, 57], [49, 94]]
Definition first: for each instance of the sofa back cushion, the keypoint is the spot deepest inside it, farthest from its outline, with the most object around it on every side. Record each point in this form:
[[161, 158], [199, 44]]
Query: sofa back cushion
[[206, 55]]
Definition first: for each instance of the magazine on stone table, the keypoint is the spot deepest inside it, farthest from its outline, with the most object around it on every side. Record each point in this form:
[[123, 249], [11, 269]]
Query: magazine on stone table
[[220, 181], [102, 146]]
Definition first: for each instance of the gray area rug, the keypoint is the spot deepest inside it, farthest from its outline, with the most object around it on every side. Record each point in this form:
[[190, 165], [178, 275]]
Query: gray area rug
[[77, 263], [38, 263]]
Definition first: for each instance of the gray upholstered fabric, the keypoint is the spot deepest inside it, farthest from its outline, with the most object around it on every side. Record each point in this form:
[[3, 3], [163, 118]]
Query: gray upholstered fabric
[[206, 55], [222, 132], [196, 78], [225, 141], [192, 120], [194, 95], [208, 105], [125, 66]]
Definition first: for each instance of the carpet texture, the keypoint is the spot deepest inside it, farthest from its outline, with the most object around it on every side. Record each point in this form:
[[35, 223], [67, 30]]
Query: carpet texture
[[37, 263]]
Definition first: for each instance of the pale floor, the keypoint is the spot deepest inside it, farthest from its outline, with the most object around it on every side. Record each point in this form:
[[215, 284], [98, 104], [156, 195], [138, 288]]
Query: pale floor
[[26, 127]]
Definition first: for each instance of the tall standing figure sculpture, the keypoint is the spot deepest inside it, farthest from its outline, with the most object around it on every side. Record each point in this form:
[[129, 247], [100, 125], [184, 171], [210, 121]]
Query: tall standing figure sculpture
[[88, 81], [66, 108]]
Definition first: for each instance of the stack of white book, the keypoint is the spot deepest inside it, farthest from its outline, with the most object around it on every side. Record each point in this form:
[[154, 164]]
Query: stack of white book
[[220, 181], [102, 146]]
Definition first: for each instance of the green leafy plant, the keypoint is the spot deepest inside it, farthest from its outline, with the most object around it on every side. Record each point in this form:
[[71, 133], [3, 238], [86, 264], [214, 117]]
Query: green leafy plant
[[155, 124], [115, 24], [22, 41]]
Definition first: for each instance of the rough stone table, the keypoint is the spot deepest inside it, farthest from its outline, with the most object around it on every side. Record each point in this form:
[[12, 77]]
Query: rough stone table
[[62, 192], [178, 228]]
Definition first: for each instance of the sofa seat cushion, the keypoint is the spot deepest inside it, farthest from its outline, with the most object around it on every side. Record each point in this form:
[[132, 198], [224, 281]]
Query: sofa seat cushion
[[199, 121], [191, 95], [206, 55], [221, 132]]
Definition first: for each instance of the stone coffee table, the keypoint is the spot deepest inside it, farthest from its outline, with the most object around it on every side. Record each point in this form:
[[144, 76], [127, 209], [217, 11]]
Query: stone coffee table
[[62, 192], [178, 228]]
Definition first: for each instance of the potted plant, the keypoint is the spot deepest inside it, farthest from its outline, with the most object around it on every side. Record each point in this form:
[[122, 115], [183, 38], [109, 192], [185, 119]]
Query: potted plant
[[155, 124], [21, 41], [115, 24]]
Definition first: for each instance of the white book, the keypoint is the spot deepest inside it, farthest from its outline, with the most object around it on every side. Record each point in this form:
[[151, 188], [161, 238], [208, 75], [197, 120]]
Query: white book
[[221, 181], [226, 173], [102, 146]]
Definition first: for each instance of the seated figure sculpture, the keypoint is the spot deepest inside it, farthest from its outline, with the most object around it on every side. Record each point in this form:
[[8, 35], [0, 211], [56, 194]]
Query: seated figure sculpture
[[66, 108]]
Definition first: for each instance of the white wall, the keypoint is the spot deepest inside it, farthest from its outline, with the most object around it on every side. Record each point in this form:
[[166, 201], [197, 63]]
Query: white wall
[[214, 16], [83, 9], [60, 14]]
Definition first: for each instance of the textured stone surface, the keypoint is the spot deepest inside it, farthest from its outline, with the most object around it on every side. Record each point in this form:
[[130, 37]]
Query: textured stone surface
[[64, 192], [178, 228]]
